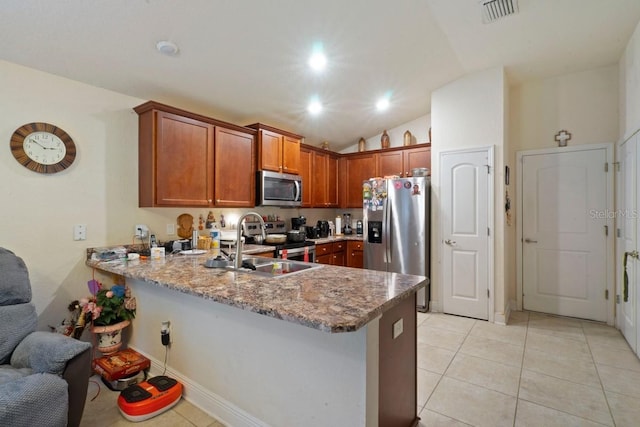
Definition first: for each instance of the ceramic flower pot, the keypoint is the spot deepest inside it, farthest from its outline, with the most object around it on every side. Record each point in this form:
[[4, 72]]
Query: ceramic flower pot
[[110, 336]]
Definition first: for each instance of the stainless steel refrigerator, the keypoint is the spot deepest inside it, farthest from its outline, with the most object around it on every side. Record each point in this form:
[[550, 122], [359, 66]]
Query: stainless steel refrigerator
[[396, 215]]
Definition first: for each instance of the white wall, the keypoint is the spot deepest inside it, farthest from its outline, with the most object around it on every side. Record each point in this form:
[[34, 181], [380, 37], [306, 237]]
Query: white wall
[[419, 129], [470, 112], [99, 189], [629, 76], [584, 103]]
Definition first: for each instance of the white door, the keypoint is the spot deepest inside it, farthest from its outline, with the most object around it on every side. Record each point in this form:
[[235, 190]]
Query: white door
[[627, 200], [564, 219], [466, 180]]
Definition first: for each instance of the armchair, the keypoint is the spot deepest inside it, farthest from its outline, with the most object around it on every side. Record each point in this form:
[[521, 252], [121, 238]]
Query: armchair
[[43, 375]]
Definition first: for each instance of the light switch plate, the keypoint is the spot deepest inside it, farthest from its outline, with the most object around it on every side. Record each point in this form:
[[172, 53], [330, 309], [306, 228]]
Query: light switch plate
[[171, 229], [398, 328]]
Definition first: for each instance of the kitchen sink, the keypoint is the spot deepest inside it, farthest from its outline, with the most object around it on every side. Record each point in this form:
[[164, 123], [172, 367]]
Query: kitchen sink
[[269, 267]]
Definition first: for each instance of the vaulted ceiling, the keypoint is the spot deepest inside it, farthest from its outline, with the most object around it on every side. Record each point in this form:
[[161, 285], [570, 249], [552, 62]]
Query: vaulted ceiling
[[246, 60]]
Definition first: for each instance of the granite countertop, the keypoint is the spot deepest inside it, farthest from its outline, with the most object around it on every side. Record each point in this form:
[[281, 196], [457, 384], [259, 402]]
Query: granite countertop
[[329, 298]]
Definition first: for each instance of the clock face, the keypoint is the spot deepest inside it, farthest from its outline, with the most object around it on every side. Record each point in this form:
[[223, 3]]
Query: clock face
[[43, 147]]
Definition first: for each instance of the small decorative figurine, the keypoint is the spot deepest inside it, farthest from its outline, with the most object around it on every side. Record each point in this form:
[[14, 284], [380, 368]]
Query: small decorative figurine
[[222, 223], [325, 145], [362, 144], [201, 222], [384, 140], [407, 138], [210, 220]]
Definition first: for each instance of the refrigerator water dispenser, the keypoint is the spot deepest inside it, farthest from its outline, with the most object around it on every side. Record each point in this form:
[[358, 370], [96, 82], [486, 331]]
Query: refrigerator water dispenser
[[374, 229]]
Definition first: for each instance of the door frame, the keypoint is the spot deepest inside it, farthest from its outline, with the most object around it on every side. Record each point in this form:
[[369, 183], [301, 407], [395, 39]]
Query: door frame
[[491, 182], [610, 267]]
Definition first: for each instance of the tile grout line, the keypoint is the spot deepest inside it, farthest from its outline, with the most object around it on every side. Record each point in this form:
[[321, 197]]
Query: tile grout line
[[524, 351], [599, 377]]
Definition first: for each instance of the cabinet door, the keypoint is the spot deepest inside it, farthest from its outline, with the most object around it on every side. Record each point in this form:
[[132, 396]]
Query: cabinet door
[[324, 259], [184, 161], [358, 168], [319, 192], [270, 151], [354, 254], [306, 172], [332, 181], [390, 163], [339, 250], [417, 158], [290, 155], [234, 168]]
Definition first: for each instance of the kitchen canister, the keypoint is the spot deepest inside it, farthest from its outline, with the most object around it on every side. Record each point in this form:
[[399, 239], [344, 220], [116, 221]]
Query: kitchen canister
[[215, 238]]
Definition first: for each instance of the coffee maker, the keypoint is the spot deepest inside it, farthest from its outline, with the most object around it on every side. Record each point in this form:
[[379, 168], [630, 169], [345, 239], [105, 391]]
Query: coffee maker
[[346, 219], [324, 228], [298, 223]]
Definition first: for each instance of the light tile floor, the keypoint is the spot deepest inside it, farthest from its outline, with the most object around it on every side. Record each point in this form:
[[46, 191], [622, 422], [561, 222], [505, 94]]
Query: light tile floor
[[540, 370], [103, 411]]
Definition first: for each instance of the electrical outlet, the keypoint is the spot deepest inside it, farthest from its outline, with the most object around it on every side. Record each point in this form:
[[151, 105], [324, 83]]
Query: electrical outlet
[[165, 332], [141, 231], [398, 328], [171, 229]]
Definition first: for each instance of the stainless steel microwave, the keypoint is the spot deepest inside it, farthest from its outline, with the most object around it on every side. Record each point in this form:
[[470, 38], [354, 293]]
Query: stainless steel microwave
[[278, 189]]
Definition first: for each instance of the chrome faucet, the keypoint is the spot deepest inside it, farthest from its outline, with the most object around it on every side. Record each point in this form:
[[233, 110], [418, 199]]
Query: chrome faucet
[[237, 262]]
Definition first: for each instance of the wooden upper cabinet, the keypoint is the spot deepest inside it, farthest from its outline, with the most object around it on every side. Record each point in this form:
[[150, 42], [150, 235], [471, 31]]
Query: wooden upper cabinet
[[417, 158], [390, 163], [402, 162], [358, 167], [291, 155], [332, 181], [306, 171], [187, 160], [278, 150], [319, 187], [175, 161], [324, 180], [270, 151], [235, 182]]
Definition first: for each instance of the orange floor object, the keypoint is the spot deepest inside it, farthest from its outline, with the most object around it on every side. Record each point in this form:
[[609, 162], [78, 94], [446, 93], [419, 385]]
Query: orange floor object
[[142, 401]]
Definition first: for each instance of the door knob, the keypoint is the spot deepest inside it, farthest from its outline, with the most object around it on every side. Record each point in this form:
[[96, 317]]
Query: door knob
[[527, 240], [450, 242]]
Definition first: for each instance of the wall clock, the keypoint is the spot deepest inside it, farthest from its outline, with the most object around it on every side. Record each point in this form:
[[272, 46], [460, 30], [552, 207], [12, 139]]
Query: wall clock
[[43, 147]]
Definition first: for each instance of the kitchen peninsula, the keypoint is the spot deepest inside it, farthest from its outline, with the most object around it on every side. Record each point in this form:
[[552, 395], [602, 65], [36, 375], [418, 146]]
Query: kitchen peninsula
[[327, 346]]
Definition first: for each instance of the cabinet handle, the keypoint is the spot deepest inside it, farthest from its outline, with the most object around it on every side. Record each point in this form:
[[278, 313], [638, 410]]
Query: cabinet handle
[[406, 173], [209, 200]]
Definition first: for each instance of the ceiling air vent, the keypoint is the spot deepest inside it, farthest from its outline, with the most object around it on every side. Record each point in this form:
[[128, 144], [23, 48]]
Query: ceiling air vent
[[493, 10]]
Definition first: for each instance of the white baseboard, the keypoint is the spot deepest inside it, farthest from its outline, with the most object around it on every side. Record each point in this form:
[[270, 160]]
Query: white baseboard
[[503, 318], [211, 403], [435, 307]]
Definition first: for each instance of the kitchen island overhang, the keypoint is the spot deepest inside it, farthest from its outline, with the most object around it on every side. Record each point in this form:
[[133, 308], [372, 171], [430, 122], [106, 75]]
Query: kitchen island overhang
[[260, 354]]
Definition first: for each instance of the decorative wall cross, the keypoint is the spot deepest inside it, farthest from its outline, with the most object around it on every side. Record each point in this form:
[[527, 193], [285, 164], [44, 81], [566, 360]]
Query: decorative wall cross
[[562, 138]]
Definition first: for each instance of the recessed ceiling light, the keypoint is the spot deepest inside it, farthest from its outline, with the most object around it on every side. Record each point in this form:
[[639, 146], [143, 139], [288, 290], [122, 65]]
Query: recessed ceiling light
[[167, 48], [318, 61], [382, 104], [315, 107]]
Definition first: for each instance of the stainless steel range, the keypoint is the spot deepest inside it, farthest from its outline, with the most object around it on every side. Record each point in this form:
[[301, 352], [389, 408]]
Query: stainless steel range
[[297, 251]]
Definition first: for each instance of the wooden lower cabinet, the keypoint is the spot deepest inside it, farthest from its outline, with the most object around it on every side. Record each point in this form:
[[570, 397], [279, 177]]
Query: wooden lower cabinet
[[264, 254], [355, 254], [331, 253]]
